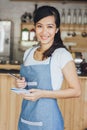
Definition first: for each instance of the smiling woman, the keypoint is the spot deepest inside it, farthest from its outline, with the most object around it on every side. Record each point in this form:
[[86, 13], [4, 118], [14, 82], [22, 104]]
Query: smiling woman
[[47, 64]]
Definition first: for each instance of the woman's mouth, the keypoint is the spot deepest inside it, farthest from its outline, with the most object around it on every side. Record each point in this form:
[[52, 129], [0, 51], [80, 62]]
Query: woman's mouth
[[44, 37]]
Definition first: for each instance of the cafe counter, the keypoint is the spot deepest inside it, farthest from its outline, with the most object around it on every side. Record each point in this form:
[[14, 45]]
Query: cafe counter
[[6, 68], [74, 110]]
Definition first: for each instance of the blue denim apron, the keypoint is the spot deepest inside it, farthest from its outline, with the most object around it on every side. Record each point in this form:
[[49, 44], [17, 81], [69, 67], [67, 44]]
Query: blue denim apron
[[43, 114]]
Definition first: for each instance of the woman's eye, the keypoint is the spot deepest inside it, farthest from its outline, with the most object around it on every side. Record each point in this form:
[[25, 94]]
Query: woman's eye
[[50, 26], [38, 26]]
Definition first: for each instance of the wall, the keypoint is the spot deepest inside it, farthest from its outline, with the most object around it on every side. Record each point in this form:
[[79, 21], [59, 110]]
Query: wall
[[12, 10]]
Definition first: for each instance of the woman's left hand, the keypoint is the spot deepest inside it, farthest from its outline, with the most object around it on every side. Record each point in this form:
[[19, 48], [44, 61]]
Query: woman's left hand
[[34, 94]]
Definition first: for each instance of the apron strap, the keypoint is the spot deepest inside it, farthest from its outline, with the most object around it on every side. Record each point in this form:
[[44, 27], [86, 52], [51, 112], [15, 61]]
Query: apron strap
[[28, 55]]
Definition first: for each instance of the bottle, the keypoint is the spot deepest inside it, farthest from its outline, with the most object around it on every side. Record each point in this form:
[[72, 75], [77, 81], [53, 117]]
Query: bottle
[[25, 34], [32, 35], [80, 17], [85, 17], [74, 17], [63, 16], [69, 16]]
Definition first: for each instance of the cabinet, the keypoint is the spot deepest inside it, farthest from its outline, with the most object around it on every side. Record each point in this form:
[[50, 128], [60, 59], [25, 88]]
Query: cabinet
[[9, 104], [74, 110]]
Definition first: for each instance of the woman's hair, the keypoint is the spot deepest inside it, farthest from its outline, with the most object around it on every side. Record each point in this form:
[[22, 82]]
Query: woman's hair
[[45, 11]]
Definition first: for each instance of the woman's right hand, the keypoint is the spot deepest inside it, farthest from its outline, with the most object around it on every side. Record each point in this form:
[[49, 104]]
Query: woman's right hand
[[21, 83]]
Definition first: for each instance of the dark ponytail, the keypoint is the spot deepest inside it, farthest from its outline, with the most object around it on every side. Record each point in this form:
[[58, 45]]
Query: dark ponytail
[[57, 44]]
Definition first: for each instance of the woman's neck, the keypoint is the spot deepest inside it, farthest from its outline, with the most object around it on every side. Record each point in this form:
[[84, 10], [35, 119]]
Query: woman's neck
[[43, 48]]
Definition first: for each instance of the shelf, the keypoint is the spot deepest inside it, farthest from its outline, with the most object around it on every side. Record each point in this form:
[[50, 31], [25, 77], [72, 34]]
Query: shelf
[[29, 25], [27, 44], [80, 42]]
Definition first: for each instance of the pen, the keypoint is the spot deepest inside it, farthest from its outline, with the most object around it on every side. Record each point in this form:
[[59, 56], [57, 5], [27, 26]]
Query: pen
[[28, 83], [12, 75]]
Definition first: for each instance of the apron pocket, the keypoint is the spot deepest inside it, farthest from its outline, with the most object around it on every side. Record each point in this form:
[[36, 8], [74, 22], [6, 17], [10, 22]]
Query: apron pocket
[[32, 84], [31, 123]]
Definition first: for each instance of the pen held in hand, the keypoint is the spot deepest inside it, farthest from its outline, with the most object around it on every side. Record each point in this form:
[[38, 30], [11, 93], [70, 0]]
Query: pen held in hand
[[12, 75], [28, 83]]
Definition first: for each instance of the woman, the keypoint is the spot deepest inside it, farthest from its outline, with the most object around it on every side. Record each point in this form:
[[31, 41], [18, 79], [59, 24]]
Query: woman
[[44, 68]]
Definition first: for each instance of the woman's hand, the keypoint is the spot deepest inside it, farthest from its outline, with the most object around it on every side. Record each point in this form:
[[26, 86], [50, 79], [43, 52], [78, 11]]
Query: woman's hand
[[21, 83], [34, 94]]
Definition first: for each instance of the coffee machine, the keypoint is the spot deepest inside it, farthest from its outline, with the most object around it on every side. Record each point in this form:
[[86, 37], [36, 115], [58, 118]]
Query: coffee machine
[[78, 61]]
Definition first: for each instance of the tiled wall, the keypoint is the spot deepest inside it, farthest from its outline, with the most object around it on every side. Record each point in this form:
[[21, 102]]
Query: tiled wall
[[13, 10]]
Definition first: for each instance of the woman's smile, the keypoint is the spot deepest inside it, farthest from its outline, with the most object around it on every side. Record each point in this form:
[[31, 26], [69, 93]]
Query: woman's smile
[[44, 37]]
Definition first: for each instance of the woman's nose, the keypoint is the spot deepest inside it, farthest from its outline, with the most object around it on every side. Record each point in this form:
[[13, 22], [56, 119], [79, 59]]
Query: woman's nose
[[44, 30]]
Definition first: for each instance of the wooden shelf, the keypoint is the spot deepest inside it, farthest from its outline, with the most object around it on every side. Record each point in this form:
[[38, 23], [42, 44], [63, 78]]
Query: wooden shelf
[[27, 44], [81, 42], [9, 66], [29, 25]]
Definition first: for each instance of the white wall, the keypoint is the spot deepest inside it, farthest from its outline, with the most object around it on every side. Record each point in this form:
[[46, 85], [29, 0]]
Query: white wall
[[13, 10]]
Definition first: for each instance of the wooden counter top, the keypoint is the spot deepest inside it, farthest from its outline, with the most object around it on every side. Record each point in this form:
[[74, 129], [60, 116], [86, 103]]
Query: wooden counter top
[[9, 66], [80, 77], [17, 67]]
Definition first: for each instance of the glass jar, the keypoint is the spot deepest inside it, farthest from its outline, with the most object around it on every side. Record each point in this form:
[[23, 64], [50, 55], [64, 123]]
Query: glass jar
[[25, 34], [32, 35]]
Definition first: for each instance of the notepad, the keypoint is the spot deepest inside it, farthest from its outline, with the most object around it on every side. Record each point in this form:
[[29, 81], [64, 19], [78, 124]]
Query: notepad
[[20, 90]]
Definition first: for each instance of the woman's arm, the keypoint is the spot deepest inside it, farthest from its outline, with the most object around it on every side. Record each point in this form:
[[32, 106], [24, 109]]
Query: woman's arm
[[70, 74]]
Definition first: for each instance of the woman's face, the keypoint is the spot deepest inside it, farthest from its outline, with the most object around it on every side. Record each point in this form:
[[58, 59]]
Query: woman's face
[[45, 30]]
